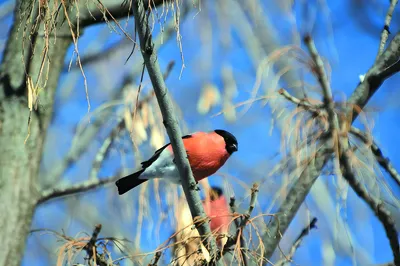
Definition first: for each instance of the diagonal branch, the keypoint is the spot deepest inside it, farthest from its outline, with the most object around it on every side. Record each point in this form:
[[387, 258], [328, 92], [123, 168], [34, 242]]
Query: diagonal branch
[[381, 70], [387, 65], [190, 188], [383, 161], [324, 83], [385, 31], [376, 205], [297, 242]]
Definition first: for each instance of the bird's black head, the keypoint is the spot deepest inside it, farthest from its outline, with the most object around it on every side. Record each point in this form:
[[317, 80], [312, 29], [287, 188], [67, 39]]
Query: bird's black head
[[230, 140], [215, 193]]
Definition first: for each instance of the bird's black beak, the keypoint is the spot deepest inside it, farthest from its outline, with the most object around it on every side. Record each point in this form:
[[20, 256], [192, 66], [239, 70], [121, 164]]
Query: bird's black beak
[[232, 148]]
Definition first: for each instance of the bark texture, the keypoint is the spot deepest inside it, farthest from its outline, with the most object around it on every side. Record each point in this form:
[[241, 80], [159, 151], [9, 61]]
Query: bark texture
[[20, 160]]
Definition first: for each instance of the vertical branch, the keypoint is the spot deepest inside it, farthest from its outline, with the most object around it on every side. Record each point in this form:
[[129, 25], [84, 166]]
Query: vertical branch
[[189, 185], [385, 32]]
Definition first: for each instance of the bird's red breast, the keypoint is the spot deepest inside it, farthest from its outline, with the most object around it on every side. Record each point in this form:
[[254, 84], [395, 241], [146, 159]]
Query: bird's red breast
[[206, 153], [218, 211]]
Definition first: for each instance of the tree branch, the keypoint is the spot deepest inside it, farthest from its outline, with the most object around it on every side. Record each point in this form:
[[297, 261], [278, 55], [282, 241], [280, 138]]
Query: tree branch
[[383, 161], [382, 69], [93, 12], [240, 225], [81, 143], [297, 242], [94, 182], [376, 205], [63, 191], [171, 124], [385, 31]]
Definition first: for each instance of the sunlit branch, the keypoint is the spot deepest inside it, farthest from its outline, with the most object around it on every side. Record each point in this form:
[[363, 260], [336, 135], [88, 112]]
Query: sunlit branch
[[149, 53], [318, 68], [69, 190], [297, 242], [383, 68], [300, 102], [383, 161], [385, 31], [376, 205]]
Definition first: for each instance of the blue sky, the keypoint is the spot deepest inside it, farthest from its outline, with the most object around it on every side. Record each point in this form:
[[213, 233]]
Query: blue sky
[[350, 47]]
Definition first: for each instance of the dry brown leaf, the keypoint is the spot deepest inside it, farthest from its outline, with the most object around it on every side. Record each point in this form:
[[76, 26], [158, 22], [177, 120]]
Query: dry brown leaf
[[210, 97], [229, 111], [157, 138]]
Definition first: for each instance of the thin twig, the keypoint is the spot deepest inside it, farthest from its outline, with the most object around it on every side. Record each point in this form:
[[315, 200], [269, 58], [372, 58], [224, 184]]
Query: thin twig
[[300, 102], [104, 149], [324, 83], [240, 226], [190, 188], [233, 210], [297, 242], [157, 257], [385, 31], [91, 245], [253, 199], [383, 161]]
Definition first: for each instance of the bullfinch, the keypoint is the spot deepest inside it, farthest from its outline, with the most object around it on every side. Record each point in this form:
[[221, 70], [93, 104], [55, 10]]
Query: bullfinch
[[207, 152], [216, 208], [187, 241]]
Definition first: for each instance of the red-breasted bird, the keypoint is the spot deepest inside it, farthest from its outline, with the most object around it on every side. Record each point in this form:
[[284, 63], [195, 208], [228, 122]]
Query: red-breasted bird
[[207, 152], [217, 209]]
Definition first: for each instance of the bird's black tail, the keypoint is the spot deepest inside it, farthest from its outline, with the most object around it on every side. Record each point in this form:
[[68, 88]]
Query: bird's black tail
[[129, 182]]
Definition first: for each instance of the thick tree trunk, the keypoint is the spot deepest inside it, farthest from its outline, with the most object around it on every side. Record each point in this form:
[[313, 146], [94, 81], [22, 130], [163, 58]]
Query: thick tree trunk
[[20, 160]]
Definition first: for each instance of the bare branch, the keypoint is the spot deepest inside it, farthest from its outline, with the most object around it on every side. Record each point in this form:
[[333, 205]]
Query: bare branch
[[240, 223], [253, 199], [171, 124], [82, 142], [383, 68], [93, 12], [297, 242], [324, 83], [376, 205], [91, 245], [383, 161], [157, 257], [387, 65], [64, 191], [300, 102], [104, 149], [385, 31], [233, 210], [102, 55], [268, 38]]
